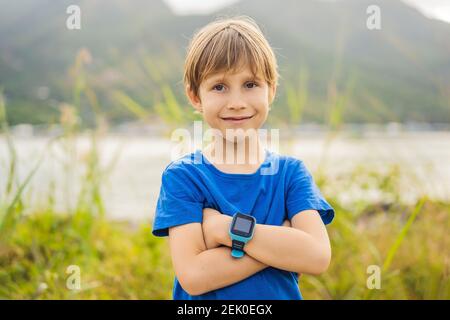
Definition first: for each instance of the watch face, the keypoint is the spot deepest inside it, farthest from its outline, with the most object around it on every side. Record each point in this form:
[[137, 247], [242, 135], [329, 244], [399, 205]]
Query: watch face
[[242, 225]]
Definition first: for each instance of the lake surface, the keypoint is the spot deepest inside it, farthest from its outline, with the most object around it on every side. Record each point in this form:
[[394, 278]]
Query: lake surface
[[131, 189]]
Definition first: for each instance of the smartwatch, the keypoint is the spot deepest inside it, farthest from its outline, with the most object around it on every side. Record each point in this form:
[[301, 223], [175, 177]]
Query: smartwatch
[[241, 231]]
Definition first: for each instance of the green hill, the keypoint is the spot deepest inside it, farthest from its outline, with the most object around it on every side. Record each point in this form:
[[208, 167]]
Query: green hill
[[327, 57]]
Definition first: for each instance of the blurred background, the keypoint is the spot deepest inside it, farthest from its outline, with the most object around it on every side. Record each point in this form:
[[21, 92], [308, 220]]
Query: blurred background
[[87, 115]]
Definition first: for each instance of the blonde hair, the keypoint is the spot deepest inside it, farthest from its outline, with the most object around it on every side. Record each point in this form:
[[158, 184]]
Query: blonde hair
[[226, 45]]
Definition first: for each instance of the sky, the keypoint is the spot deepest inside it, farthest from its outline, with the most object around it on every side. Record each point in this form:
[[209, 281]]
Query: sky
[[436, 9]]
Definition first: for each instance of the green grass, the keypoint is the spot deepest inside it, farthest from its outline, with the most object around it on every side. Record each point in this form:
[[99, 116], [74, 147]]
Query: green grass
[[118, 261], [409, 243], [412, 257], [115, 262]]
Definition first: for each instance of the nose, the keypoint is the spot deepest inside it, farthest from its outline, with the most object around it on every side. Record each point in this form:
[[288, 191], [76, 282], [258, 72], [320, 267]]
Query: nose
[[236, 102]]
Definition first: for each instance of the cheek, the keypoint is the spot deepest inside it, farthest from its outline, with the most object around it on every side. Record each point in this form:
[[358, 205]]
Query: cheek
[[210, 116], [263, 114], [211, 105], [260, 98], [261, 103], [210, 113]]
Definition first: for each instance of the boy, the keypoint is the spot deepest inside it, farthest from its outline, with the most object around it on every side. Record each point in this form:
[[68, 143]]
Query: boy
[[239, 230]]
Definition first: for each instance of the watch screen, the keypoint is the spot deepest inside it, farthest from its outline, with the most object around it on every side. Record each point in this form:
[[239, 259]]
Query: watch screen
[[243, 225]]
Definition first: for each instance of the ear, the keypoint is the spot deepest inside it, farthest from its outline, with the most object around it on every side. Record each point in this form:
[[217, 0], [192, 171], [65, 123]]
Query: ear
[[272, 93], [193, 99]]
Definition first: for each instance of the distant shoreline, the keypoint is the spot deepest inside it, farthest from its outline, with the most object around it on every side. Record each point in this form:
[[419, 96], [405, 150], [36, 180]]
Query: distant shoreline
[[161, 131]]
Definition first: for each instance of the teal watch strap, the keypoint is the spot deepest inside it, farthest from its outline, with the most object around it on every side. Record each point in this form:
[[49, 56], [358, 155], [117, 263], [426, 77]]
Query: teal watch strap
[[237, 248], [237, 253]]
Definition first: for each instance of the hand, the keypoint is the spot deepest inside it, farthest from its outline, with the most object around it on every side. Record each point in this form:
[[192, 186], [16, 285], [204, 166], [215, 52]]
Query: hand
[[209, 227]]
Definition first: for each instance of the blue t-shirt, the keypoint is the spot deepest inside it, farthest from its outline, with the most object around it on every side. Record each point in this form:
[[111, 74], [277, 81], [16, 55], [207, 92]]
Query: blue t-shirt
[[279, 189]]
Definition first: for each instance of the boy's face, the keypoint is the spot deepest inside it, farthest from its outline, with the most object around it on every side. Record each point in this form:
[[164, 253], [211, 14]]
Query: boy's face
[[233, 100]]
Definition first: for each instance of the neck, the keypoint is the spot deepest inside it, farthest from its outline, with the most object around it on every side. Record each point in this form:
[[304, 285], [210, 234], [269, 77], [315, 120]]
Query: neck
[[247, 151]]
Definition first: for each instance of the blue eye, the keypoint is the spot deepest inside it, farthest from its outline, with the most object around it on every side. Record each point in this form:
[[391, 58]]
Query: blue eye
[[219, 87]]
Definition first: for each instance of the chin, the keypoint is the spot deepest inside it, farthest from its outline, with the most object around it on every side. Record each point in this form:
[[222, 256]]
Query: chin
[[240, 136]]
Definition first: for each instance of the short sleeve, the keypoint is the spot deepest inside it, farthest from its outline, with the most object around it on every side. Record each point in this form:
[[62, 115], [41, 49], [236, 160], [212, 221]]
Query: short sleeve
[[179, 202], [303, 194]]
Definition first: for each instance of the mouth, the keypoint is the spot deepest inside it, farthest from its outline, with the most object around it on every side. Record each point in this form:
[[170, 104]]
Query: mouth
[[237, 119]]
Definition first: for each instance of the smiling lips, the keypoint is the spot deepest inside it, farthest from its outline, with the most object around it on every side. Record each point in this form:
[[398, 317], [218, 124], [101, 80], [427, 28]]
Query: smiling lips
[[236, 119]]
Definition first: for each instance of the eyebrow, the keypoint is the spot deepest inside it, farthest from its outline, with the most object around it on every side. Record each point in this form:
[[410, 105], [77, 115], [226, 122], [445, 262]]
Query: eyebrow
[[246, 77]]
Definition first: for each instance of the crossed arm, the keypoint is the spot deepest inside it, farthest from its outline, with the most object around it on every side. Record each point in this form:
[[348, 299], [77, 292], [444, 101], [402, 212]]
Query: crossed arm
[[201, 253]]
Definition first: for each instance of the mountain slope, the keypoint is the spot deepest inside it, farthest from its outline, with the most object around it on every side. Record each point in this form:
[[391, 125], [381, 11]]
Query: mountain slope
[[398, 73]]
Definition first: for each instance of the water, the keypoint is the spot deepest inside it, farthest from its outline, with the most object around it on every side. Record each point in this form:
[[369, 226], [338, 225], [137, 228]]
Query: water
[[131, 190]]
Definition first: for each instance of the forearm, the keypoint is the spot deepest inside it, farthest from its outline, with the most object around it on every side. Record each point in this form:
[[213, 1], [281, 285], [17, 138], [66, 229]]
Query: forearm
[[216, 268], [285, 248]]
